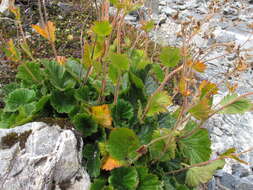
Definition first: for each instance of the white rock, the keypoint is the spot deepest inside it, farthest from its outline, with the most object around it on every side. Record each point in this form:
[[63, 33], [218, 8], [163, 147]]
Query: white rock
[[41, 157]]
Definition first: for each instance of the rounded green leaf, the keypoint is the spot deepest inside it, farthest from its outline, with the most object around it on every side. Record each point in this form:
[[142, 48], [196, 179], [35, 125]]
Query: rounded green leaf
[[63, 102], [196, 147], [19, 97], [102, 28], [124, 178], [30, 73], [120, 61], [159, 103], [164, 149], [91, 153], [122, 113], [85, 124], [197, 175], [122, 144], [58, 76], [98, 184], [170, 56], [148, 181]]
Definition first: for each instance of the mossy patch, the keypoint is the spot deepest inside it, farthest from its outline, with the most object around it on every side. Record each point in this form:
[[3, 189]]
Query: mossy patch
[[61, 122], [12, 138]]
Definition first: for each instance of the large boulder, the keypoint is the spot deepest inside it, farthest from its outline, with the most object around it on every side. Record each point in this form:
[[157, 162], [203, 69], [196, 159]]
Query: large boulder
[[4, 5], [37, 156]]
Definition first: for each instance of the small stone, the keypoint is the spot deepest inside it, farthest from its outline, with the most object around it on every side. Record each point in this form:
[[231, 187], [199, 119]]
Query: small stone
[[245, 183], [229, 181], [169, 11], [240, 171], [217, 131]]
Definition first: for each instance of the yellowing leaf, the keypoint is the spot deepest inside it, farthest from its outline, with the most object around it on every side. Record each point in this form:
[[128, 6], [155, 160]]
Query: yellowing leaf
[[86, 61], [102, 115], [203, 174], [47, 31], [183, 87], [207, 89], [12, 52], [110, 164], [199, 66], [159, 103], [201, 110]]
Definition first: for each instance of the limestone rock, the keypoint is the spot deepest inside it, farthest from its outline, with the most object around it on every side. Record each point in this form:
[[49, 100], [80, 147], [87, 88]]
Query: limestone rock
[[37, 156]]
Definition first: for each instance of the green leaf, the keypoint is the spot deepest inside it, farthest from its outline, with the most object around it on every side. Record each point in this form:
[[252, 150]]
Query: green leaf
[[197, 175], [91, 153], [150, 85], [136, 80], [120, 61], [82, 93], [159, 103], [7, 89], [124, 178], [149, 26], [102, 28], [170, 57], [86, 93], [163, 150], [122, 113], [41, 103], [196, 147], [138, 59], [114, 73], [25, 114], [58, 76], [159, 73], [30, 73], [63, 102], [237, 106], [98, 184], [19, 97], [122, 144], [166, 121], [85, 124], [7, 119], [146, 131], [75, 69], [148, 181]]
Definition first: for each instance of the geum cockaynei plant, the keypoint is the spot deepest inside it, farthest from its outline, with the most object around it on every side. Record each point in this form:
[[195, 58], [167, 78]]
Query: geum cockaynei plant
[[118, 98]]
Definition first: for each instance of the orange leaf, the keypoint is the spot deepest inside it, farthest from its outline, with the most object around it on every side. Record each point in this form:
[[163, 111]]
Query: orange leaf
[[199, 66], [47, 31], [110, 164], [102, 115], [61, 60], [231, 87]]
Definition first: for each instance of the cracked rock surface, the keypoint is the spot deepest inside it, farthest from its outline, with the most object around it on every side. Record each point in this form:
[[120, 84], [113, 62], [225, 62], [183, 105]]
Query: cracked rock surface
[[37, 156]]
